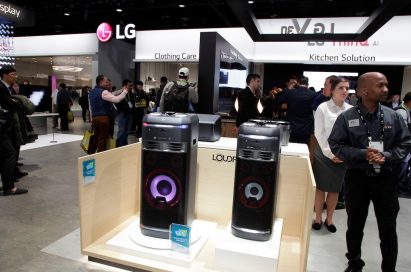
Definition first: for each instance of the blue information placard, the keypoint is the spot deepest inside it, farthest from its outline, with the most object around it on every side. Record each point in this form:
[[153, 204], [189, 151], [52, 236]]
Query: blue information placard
[[180, 238], [89, 171]]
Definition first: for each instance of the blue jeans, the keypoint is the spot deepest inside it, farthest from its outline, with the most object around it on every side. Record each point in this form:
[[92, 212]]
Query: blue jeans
[[124, 126]]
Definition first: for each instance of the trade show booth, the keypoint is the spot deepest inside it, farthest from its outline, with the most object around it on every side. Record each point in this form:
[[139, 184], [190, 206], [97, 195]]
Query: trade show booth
[[109, 193]]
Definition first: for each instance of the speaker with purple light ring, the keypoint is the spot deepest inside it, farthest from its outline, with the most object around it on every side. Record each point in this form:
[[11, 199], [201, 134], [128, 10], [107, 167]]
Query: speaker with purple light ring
[[255, 181], [168, 171]]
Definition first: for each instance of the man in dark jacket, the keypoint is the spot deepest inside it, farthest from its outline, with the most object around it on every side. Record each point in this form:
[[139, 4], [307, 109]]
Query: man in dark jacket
[[8, 153], [372, 140], [63, 104], [299, 111], [140, 105], [248, 99], [163, 83]]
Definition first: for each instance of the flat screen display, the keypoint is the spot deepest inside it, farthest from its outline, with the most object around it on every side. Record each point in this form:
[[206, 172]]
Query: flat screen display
[[316, 79], [232, 78], [36, 97], [40, 96]]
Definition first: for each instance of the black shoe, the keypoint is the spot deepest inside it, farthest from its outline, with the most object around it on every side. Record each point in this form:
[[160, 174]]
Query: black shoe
[[19, 174], [18, 191], [331, 228], [353, 269], [316, 226], [354, 265], [340, 205]]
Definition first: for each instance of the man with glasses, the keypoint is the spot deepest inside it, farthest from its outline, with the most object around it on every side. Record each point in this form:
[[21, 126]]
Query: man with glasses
[[8, 152]]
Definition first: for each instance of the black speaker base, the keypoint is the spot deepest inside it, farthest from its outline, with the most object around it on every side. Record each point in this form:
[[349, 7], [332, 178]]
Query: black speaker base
[[155, 232], [255, 235]]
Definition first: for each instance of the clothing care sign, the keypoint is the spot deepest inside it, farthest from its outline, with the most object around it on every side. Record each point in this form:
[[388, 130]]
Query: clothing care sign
[[389, 45]]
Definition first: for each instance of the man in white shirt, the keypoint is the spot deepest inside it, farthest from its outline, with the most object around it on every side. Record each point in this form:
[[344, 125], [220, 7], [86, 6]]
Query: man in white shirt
[[54, 107]]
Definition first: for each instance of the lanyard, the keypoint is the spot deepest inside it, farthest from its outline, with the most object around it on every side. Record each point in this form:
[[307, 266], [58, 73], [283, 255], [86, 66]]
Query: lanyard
[[365, 124]]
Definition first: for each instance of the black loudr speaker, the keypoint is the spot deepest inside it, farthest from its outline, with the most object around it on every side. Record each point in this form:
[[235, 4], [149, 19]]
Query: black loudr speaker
[[285, 128], [256, 173], [168, 171], [210, 127]]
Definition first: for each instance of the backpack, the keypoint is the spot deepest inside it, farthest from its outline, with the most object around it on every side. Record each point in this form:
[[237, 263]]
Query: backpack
[[176, 98], [402, 107]]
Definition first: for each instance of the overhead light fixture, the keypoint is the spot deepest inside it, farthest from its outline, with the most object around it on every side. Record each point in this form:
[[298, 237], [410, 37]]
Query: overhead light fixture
[[64, 68], [250, 2], [69, 78], [181, 6], [119, 10], [66, 14]]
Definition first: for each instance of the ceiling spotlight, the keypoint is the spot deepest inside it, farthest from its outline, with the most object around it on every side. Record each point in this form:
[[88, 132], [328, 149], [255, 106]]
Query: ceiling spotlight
[[66, 14], [119, 10], [250, 2], [181, 6]]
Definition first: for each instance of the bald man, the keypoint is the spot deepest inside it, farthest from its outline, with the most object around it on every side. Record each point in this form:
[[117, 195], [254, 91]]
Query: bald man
[[373, 140]]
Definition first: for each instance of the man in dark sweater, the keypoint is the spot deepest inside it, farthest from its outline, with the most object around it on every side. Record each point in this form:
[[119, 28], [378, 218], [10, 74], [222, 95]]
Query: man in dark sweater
[[101, 100], [372, 140]]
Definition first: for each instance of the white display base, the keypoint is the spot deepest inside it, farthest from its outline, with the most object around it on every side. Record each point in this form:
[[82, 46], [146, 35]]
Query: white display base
[[292, 149], [162, 244], [131, 241], [237, 254]]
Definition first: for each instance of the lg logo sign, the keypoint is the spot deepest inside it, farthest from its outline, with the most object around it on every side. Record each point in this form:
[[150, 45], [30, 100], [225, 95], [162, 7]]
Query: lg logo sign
[[105, 32]]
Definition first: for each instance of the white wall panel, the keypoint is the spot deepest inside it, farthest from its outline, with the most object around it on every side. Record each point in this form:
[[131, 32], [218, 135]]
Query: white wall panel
[[56, 45]]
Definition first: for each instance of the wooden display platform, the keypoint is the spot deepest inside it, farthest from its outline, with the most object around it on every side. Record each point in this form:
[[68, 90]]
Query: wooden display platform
[[112, 202]]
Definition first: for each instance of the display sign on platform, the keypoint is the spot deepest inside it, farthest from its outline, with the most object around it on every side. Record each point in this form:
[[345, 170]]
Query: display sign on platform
[[180, 238], [89, 171]]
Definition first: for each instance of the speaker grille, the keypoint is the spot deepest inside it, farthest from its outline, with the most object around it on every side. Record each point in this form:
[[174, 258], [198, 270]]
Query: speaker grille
[[152, 145], [264, 155], [246, 154], [176, 147]]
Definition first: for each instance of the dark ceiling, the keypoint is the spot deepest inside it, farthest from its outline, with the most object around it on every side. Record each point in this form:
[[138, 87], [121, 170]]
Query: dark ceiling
[[85, 16]]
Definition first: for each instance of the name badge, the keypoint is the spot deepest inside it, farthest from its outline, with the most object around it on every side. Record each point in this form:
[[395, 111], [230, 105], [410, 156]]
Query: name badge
[[379, 145], [354, 123], [130, 105]]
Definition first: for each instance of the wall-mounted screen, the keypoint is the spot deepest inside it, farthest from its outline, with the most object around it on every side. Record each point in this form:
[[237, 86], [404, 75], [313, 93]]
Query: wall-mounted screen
[[40, 96], [316, 79], [232, 78]]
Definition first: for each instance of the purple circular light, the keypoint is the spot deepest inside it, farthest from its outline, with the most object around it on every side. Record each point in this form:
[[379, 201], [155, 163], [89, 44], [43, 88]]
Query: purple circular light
[[163, 186]]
